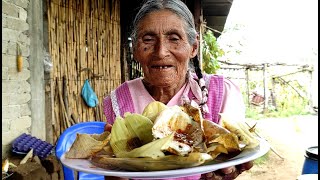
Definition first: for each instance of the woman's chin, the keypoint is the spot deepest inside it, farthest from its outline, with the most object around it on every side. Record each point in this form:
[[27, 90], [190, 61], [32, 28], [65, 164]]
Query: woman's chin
[[165, 83], [164, 79]]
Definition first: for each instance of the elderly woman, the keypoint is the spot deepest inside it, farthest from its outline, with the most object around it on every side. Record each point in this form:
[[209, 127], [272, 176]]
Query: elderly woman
[[166, 44]]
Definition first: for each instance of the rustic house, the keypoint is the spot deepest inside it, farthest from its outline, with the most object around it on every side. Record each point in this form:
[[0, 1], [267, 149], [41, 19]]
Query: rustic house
[[63, 43]]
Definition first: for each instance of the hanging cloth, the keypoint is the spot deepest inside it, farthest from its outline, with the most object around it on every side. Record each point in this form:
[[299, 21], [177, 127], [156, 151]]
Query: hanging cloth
[[88, 95]]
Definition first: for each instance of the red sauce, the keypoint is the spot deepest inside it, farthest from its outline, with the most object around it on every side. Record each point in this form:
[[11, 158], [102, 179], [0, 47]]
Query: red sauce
[[183, 136]]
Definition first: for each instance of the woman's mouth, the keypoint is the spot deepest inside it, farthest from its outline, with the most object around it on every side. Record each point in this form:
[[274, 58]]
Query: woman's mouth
[[161, 67]]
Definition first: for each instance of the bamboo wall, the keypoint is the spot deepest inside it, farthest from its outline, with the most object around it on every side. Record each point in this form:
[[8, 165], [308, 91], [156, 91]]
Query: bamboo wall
[[84, 43]]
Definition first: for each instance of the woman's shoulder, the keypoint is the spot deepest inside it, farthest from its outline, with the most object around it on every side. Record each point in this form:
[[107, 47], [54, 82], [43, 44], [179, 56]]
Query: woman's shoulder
[[221, 79], [213, 79], [212, 75], [231, 85]]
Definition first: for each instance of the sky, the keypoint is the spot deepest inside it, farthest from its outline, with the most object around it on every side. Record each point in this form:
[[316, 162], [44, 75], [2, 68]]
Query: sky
[[274, 30]]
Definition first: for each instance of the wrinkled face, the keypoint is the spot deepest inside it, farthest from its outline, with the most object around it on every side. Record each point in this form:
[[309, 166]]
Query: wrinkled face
[[162, 48]]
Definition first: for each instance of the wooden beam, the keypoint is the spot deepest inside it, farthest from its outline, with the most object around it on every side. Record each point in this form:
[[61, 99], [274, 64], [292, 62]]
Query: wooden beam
[[198, 18]]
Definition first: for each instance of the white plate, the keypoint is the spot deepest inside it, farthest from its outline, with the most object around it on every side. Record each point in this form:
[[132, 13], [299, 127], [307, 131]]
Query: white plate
[[245, 156]]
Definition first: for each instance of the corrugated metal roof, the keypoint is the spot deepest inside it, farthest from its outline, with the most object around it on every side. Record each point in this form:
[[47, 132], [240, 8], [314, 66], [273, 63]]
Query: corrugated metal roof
[[215, 13]]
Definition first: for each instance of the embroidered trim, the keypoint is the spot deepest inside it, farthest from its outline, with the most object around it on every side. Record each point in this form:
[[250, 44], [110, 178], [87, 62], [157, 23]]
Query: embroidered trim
[[114, 103]]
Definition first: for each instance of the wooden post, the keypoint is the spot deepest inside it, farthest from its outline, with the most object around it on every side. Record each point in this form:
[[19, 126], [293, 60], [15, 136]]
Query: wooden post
[[265, 87], [248, 88], [198, 19], [273, 95]]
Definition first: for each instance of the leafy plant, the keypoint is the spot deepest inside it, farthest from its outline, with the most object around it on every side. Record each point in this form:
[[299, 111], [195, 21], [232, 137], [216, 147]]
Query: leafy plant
[[210, 53]]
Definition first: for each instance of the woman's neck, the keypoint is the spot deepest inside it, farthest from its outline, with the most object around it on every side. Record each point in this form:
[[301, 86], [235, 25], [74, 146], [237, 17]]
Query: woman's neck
[[163, 94]]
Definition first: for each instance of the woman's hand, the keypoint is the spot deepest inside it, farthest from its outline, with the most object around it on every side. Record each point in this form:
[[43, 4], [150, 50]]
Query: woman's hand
[[227, 173]]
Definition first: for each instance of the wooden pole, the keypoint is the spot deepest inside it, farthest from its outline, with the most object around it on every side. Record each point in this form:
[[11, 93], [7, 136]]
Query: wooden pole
[[248, 87], [265, 88]]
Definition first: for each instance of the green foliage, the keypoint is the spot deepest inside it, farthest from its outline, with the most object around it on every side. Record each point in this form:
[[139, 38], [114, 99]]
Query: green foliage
[[294, 106], [254, 113], [210, 53]]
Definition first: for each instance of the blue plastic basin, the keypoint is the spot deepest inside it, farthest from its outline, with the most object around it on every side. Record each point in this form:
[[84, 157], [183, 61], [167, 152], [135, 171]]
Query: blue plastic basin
[[310, 165]]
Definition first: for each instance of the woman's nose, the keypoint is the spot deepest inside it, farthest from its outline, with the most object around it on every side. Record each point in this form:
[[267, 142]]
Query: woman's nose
[[162, 49]]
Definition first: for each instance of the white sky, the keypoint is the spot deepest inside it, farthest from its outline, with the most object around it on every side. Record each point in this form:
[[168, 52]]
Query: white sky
[[275, 30]]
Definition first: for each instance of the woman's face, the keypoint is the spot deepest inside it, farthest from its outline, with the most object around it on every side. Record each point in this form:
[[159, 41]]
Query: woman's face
[[162, 48]]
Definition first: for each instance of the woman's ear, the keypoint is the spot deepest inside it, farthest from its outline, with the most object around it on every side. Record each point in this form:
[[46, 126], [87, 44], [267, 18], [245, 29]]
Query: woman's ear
[[195, 48]]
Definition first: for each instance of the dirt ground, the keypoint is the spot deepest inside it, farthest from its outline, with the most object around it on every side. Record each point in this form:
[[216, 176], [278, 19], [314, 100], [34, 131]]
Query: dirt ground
[[289, 137]]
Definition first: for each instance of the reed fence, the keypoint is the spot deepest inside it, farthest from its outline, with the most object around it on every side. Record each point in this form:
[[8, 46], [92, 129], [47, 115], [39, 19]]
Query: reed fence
[[84, 43]]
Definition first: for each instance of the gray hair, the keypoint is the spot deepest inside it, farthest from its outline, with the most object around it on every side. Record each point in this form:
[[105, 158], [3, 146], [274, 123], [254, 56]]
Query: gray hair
[[175, 6]]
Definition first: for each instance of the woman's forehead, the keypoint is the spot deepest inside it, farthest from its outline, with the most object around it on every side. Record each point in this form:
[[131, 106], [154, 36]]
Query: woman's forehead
[[162, 20]]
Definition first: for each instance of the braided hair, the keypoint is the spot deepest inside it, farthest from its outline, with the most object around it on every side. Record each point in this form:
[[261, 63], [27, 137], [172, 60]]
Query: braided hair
[[201, 83]]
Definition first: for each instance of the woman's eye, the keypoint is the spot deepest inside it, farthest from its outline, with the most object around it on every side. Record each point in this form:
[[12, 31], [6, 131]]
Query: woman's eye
[[148, 39], [174, 38]]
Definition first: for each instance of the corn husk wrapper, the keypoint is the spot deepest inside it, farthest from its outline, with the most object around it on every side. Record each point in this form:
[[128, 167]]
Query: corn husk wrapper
[[154, 149], [213, 130], [171, 120], [229, 141], [194, 112], [132, 145], [153, 109], [106, 150], [149, 164], [240, 129], [215, 149], [85, 145], [130, 132], [188, 132], [140, 126], [120, 136], [219, 140]]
